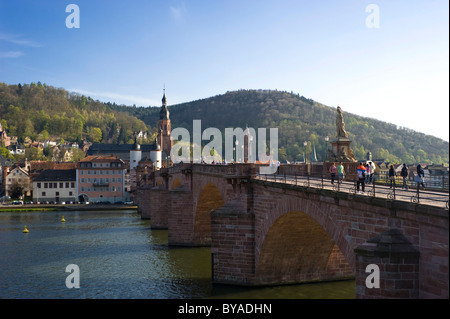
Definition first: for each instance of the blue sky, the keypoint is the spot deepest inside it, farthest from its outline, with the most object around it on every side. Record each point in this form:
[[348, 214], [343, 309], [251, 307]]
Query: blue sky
[[126, 51]]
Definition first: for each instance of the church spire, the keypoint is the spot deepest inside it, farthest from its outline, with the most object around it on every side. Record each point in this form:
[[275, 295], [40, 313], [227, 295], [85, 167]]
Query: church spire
[[164, 113]]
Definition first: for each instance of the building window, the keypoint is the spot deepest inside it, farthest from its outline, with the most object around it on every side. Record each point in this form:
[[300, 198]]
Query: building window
[[57, 193], [70, 193], [55, 185], [67, 185], [50, 185], [38, 185], [45, 185], [72, 185], [61, 185], [43, 193]]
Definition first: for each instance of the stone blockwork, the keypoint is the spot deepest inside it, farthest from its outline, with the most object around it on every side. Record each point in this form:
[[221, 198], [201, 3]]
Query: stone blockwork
[[397, 267], [232, 244], [263, 232], [181, 217]]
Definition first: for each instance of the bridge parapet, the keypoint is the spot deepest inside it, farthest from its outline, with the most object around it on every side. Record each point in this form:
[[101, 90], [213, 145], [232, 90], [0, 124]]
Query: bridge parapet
[[246, 217]]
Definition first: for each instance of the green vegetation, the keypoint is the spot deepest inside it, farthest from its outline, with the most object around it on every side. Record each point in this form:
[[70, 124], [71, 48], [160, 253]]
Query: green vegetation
[[299, 119], [39, 111]]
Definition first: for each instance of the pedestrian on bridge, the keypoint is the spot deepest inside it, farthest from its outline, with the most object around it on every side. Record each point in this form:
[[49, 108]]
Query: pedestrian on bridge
[[368, 172], [420, 175], [391, 176], [333, 171], [341, 172], [361, 172], [404, 174]]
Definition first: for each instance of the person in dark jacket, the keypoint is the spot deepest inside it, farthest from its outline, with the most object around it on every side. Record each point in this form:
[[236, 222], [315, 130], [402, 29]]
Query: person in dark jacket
[[391, 176], [404, 174], [421, 175]]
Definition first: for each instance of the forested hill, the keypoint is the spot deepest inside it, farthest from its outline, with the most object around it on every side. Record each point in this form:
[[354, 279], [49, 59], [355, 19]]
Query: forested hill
[[299, 119], [40, 111]]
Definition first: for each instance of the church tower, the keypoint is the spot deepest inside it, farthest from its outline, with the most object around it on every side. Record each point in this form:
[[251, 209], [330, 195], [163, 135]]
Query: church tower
[[164, 128]]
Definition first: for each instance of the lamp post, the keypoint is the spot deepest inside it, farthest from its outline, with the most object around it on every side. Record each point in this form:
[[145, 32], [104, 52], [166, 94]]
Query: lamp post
[[326, 147], [305, 143]]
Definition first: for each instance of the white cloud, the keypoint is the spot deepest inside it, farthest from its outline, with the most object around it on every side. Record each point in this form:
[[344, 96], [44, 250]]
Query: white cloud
[[15, 39], [11, 54], [177, 13]]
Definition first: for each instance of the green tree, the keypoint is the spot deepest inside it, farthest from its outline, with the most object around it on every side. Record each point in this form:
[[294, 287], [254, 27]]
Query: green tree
[[17, 189], [6, 153], [96, 135]]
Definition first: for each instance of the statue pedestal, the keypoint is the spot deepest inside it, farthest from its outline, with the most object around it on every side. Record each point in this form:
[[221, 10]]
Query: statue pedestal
[[341, 151]]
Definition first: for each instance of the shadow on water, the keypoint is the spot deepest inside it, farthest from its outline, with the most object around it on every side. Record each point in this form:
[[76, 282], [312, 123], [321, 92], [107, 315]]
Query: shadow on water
[[324, 290]]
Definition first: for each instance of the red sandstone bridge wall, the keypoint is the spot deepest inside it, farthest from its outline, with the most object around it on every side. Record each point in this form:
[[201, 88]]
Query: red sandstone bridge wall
[[256, 227]]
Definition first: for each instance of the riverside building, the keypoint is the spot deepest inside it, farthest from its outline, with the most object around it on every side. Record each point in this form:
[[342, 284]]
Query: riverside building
[[101, 179]]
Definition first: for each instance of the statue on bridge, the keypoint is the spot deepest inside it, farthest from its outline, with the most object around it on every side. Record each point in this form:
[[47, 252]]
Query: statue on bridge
[[340, 125], [340, 148]]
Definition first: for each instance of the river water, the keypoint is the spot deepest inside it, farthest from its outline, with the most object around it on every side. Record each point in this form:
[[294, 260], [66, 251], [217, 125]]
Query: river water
[[118, 256]]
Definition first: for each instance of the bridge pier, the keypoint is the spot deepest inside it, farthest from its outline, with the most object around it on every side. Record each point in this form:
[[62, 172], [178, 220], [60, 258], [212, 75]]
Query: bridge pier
[[153, 204], [232, 247], [398, 263], [159, 210], [181, 217]]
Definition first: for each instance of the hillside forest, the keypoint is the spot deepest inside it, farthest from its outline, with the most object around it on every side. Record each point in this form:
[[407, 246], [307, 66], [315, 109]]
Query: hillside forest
[[40, 111]]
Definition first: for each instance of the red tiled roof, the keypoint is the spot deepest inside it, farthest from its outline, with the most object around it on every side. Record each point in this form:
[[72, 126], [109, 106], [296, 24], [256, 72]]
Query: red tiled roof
[[100, 158]]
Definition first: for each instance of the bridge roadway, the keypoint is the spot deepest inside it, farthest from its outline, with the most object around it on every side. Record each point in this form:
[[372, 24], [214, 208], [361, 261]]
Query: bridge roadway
[[412, 194]]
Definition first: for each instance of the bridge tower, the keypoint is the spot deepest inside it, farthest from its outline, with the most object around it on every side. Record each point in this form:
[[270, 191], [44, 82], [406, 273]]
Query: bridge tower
[[164, 128]]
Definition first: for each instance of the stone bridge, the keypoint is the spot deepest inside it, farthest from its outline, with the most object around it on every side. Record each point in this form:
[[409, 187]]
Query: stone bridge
[[263, 232]]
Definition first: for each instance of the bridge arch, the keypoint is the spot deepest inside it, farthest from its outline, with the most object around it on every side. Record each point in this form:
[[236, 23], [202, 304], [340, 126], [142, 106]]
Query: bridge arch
[[210, 199], [176, 183], [298, 249]]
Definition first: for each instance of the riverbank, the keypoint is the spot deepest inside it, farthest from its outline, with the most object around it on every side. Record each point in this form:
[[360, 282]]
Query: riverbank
[[59, 207]]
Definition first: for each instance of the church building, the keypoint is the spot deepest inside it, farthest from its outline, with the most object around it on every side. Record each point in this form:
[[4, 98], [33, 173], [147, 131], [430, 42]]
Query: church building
[[164, 129]]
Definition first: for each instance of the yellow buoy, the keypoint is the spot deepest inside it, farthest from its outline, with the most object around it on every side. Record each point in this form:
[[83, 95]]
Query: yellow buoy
[[63, 220], [25, 230]]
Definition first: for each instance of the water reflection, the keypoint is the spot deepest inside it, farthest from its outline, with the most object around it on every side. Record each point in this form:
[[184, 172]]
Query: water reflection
[[119, 256]]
